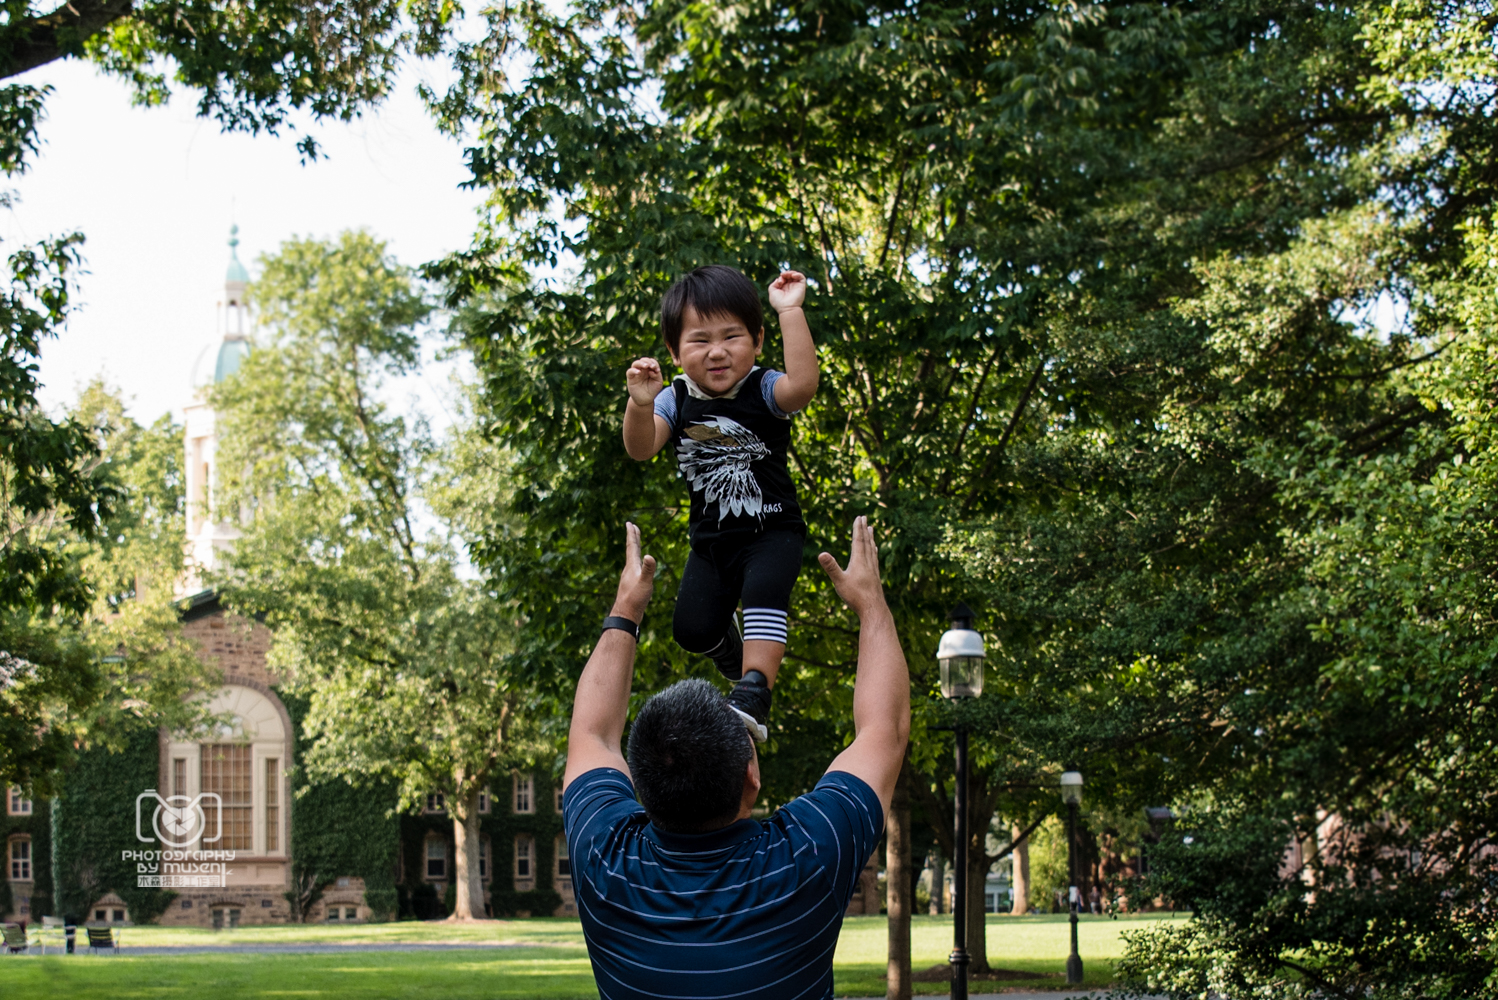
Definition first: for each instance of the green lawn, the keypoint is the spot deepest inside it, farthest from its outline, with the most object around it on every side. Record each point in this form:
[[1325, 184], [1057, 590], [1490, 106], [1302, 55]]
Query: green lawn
[[552, 963]]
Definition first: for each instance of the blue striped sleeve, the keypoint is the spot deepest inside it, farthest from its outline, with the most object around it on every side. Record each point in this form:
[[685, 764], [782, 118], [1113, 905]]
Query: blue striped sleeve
[[844, 821], [593, 806], [767, 387], [665, 405]]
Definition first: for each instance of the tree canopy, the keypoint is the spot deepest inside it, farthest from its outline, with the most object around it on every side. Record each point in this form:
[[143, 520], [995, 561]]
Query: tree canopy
[[402, 661]]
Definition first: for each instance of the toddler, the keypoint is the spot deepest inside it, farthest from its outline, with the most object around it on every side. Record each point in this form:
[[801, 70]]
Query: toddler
[[729, 421]]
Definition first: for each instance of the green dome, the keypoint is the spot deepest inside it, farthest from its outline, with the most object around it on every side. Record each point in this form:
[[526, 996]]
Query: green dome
[[237, 270], [231, 353]]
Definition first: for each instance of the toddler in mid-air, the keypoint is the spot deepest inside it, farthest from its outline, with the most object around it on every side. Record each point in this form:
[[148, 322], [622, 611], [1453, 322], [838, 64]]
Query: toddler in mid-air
[[729, 421]]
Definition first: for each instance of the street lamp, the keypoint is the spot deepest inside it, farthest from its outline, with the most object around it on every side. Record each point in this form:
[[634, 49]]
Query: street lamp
[[961, 657], [1071, 794]]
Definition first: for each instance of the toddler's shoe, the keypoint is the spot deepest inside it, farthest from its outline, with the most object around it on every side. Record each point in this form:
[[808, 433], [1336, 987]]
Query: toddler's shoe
[[750, 698], [729, 656]]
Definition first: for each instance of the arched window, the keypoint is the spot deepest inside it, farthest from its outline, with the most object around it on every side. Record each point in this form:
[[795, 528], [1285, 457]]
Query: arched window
[[236, 776]]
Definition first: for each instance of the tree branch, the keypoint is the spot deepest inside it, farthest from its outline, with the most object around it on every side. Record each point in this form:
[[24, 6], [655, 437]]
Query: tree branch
[[40, 40], [993, 456]]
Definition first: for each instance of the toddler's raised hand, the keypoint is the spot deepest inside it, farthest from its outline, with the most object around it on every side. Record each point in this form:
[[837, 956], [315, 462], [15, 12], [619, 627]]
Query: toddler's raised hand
[[787, 291], [645, 381]]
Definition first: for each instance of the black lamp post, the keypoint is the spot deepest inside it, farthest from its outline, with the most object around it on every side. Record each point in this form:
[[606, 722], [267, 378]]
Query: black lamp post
[[1071, 794], [961, 657]]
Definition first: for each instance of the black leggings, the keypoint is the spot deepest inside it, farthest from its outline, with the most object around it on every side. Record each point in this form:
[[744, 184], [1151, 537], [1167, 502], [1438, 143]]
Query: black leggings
[[761, 571]]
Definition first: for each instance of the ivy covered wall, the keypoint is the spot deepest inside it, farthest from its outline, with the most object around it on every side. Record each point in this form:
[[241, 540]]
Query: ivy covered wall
[[338, 829], [544, 825], [500, 826], [93, 823], [37, 826]]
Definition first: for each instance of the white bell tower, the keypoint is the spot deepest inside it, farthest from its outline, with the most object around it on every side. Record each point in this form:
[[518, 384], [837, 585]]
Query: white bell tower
[[207, 538]]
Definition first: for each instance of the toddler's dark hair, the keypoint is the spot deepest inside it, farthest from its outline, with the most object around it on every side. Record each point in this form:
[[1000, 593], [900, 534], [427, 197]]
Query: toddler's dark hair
[[714, 290]]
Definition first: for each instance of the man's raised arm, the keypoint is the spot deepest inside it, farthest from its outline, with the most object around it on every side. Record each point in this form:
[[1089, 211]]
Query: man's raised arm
[[602, 701], [881, 691]]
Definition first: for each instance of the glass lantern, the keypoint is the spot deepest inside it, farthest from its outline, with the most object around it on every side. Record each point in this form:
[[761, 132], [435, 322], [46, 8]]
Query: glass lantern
[[961, 657], [1071, 787]]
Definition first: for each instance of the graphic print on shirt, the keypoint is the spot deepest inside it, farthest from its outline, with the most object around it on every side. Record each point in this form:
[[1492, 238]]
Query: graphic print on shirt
[[715, 458]]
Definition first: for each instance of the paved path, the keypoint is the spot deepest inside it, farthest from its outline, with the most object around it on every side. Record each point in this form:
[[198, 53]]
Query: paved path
[[305, 949], [1050, 995]]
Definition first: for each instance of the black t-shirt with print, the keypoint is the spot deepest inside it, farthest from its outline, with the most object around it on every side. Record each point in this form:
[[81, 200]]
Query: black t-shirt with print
[[732, 453]]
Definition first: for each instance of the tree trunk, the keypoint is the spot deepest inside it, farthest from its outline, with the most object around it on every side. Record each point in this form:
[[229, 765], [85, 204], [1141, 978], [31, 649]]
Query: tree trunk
[[469, 886], [1021, 879], [977, 928], [938, 883], [899, 892]]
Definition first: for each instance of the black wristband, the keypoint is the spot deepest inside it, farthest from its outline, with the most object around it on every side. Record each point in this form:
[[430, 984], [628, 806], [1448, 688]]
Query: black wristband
[[623, 625]]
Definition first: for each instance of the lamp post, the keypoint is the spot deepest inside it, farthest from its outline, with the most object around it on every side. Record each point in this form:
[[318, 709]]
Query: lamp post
[[960, 655], [1071, 794]]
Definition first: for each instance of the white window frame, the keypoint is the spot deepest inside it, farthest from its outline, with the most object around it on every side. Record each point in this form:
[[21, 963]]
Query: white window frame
[[427, 859], [559, 854], [526, 856], [13, 864], [556, 795], [15, 805], [524, 801], [485, 802], [436, 803]]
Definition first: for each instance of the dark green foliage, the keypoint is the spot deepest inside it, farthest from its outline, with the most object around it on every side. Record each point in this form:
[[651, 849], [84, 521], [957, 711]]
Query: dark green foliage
[[38, 826], [339, 829], [1092, 296], [94, 824], [253, 66]]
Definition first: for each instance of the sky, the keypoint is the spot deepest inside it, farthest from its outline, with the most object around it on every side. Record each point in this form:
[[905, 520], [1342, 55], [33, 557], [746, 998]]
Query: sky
[[155, 190]]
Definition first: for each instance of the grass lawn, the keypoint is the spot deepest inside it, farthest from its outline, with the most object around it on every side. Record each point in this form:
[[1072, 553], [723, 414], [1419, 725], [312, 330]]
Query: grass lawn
[[552, 963]]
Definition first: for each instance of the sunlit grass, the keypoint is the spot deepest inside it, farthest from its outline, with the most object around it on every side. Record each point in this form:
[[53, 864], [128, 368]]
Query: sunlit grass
[[1037, 944], [550, 964]]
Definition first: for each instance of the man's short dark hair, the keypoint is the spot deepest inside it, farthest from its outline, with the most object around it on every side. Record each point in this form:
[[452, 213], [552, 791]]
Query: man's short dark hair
[[714, 290], [688, 752]]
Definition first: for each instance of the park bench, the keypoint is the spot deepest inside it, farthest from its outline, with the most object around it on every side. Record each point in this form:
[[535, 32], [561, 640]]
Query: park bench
[[102, 937], [15, 939]]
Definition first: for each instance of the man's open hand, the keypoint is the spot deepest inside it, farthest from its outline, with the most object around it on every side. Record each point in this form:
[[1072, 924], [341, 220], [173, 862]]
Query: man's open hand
[[859, 584], [636, 580]]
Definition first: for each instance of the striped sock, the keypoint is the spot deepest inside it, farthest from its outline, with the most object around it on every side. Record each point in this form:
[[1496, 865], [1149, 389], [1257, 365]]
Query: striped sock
[[766, 624]]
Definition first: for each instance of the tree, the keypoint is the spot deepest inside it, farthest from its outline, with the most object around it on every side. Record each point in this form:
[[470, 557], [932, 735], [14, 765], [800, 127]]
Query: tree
[[252, 65], [403, 663], [89, 636]]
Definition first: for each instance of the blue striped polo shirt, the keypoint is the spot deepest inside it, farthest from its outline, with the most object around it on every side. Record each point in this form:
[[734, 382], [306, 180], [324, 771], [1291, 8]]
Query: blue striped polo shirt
[[749, 911]]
